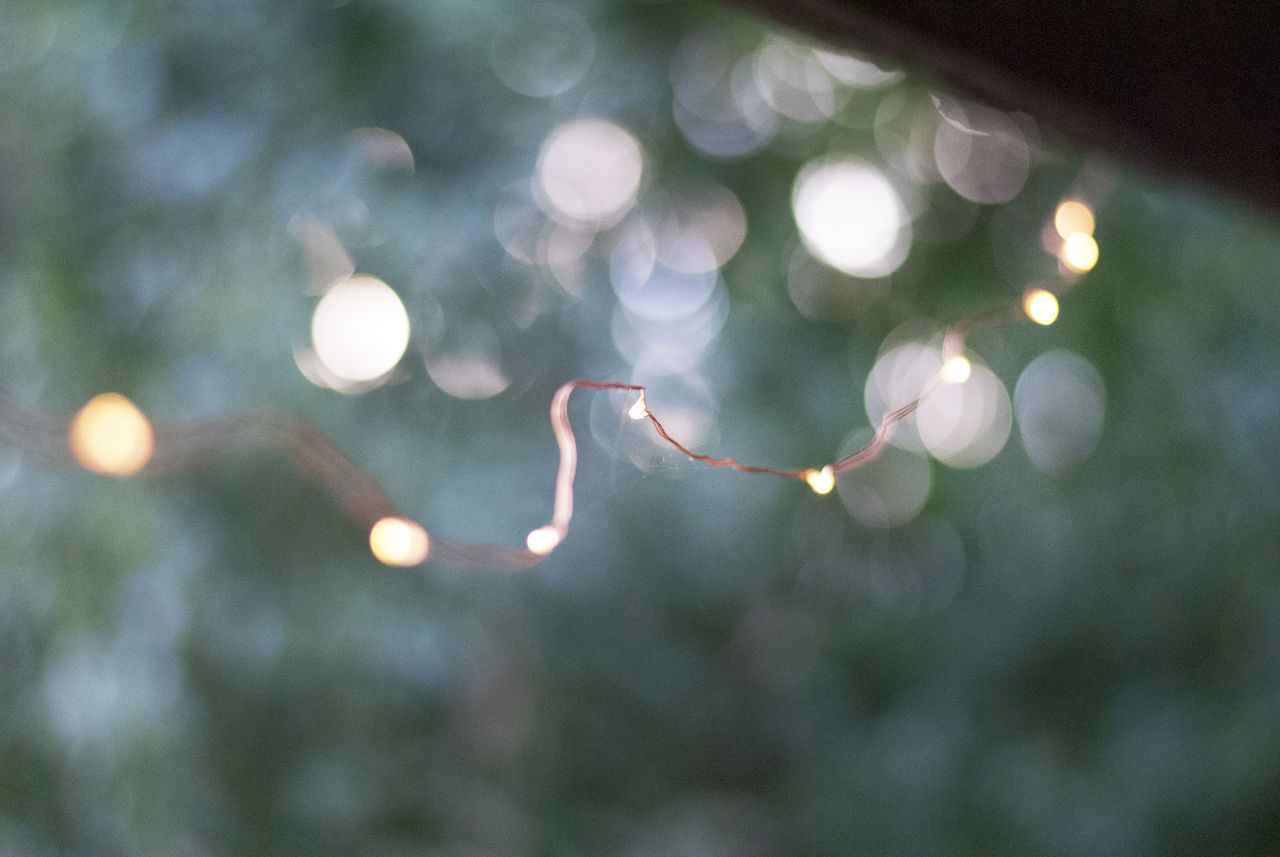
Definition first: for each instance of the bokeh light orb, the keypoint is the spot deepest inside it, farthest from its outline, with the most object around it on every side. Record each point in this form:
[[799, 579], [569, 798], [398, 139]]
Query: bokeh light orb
[[360, 329], [1040, 306], [1080, 252], [466, 362], [981, 152], [658, 291], [1073, 216], [897, 378], [851, 218], [698, 226], [887, 491], [1059, 402], [966, 425], [717, 105], [856, 71], [671, 346], [399, 542], [110, 435], [792, 81], [589, 172], [547, 51]]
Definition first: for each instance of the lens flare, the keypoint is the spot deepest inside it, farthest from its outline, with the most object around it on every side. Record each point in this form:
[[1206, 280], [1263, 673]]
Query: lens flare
[[399, 542], [110, 435]]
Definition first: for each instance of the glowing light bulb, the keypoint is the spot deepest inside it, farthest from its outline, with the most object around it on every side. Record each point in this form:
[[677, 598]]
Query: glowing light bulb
[[543, 540], [956, 370], [639, 410], [1040, 306], [1072, 217], [399, 541], [110, 435], [1080, 252], [821, 481]]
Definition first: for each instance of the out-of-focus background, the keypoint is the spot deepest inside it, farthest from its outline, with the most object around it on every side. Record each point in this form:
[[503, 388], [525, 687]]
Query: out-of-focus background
[[1046, 620]]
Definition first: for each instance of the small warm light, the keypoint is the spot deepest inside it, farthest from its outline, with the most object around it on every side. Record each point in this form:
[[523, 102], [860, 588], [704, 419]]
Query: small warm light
[[821, 481], [399, 541], [1040, 306], [543, 540], [1080, 252], [639, 410], [956, 370], [965, 425], [1073, 217], [110, 435]]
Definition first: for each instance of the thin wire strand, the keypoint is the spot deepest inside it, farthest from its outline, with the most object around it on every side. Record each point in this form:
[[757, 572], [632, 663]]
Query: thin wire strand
[[183, 446]]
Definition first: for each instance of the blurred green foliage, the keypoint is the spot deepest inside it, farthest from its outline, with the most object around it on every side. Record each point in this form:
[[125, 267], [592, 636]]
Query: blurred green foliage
[[211, 663]]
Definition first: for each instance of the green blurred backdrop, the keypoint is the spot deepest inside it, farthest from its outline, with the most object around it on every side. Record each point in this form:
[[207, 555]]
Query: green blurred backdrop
[[1073, 648]]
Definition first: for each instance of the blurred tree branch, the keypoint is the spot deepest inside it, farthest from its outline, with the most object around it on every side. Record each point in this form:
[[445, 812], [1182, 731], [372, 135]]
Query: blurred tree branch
[[1184, 88]]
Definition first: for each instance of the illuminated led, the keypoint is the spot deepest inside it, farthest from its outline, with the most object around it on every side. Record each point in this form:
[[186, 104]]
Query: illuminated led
[[1072, 217], [966, 425], [639, 410], [543, 540], [821, 481], [1040, 306], [1080, 252], [956, 370], [110, 435], [398, 541]]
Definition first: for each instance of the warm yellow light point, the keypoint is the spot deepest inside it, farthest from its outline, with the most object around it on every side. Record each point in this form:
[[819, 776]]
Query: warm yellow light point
[[399, 541], [543, 540], [821, 481], [1080, 252], [110, 435], [1040, 306], [1072, 217], [639, 410], [956, 370]]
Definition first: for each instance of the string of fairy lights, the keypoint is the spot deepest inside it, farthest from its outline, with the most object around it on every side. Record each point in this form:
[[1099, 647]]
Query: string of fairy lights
[[111, 436]]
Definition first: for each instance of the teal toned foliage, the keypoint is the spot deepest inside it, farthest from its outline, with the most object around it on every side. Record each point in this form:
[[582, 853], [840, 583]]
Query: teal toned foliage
[[1076, 652]]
